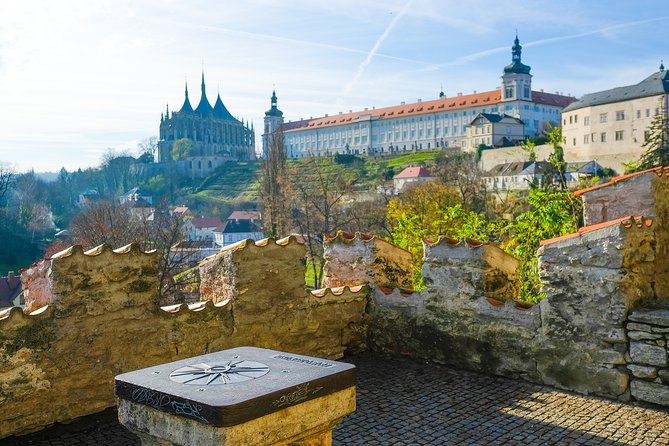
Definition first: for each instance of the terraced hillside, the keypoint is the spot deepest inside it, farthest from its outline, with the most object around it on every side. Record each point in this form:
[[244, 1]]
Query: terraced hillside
[[237, 182]]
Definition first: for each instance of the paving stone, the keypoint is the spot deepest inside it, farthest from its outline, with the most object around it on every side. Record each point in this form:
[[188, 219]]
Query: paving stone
[[404, 402]]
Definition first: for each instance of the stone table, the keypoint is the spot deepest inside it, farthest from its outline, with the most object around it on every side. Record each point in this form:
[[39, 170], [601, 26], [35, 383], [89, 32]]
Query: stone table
[[241, 396]]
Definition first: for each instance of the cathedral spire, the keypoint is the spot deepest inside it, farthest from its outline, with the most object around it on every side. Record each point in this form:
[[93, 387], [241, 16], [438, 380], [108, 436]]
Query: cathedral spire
[[186, 107], [204, 107]]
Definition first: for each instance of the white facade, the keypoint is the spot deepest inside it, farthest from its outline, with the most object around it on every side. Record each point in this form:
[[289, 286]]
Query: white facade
[[425, 125]]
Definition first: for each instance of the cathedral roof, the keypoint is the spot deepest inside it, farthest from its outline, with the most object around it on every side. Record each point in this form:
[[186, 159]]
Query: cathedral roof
[[220, 111]]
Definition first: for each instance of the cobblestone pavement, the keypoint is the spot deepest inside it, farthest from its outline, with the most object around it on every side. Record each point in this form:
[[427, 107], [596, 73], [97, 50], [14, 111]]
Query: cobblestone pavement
[[402, 402]]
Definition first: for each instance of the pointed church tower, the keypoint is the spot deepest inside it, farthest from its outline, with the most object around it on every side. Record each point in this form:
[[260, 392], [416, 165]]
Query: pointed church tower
[[516, 80], [273, 122]]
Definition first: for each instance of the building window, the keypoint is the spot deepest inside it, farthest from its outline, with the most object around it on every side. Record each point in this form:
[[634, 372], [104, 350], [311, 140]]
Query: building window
[[575, 119], [619, 135], [647, 113], [586, 139], [574, 141], [603, 117], [570, 120], [620, 115], [526, 91], [638, 114], [646, 135], [602, 137], [586, 120], [508, 92]]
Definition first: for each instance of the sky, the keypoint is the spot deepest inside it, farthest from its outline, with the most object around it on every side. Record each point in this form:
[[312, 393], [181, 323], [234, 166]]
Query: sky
[[81, 77]]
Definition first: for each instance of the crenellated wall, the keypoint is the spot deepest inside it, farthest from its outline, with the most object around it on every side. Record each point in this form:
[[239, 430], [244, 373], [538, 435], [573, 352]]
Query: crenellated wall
[[103, 319], [362, 258]]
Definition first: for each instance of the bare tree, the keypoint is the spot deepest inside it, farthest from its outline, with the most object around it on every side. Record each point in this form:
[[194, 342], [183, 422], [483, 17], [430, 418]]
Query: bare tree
[[317, 189], [272, 187], [461, 171], [7, 180]]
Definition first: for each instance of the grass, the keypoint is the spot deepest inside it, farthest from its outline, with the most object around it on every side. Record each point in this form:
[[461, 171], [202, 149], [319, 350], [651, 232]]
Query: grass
[[237, 182]]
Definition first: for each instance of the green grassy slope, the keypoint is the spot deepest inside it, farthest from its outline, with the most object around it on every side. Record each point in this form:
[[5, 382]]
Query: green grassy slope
[[237, 182]]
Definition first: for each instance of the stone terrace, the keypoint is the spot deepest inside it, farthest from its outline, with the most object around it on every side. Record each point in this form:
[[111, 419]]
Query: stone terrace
[[403, 402]]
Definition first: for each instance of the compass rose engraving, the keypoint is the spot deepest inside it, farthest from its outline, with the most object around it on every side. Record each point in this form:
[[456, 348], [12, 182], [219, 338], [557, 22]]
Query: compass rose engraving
[[216, 373]]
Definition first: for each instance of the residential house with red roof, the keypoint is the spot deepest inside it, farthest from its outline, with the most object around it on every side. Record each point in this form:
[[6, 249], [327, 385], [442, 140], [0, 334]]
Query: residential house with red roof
[[420, 125], [240, 225], [411, 175], [202, 228]]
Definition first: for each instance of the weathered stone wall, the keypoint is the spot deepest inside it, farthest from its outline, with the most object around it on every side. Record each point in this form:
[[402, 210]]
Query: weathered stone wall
[[574, 339], [351, 259], [623, 196], [104, 319]]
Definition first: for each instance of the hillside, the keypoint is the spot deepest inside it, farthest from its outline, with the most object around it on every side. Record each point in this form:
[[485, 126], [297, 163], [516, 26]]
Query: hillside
[[236, 183]]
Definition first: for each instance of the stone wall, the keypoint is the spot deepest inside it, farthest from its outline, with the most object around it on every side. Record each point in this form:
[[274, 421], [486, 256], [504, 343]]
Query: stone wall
[[574, 339], [633, 194], [351, 259], [648, 332], [103, 318]]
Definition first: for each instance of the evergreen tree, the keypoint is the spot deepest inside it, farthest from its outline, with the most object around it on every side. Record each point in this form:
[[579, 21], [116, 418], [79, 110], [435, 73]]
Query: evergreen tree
[[657, 143]]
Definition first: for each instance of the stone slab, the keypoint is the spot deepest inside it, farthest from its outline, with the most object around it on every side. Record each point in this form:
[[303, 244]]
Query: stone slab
[[655, 317], [233, 386], [643, 335], [638, 327], [641, 371], [648, 354], [650, 392]]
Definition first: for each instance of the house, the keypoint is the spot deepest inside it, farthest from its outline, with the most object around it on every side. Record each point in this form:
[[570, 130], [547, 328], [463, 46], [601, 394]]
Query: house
[[136, 194], [183, 212], [493, 130], [88, 198], [202, 228], [611, 126], [240, 225], [11, 291], [411, 175], [520, 174]]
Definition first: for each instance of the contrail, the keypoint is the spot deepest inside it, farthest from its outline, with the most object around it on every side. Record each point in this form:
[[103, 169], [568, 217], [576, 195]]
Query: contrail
[[373, 52]]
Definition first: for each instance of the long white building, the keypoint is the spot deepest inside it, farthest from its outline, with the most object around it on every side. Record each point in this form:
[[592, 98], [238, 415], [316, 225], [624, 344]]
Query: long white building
[[420, 125]]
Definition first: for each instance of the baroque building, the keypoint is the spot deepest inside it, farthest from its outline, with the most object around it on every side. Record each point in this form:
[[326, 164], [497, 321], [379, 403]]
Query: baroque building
[[422, 125], [208, 136], [611, 126]]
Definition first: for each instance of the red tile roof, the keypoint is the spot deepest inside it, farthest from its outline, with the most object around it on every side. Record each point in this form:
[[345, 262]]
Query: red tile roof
[[424, 107], [627, 221], [244, 215], [413, 172], [206, 222], [659, 170]]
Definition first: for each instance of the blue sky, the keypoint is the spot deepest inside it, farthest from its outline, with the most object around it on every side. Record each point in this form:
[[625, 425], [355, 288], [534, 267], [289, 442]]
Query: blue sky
[[78, 77]]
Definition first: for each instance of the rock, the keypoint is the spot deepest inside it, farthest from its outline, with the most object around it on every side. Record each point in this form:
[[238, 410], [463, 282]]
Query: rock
[[660, 330], [648, 354], [655, 317], [641, 371], [650, 392], [642, 335], [608, 356], [664, 375], [639, 327]]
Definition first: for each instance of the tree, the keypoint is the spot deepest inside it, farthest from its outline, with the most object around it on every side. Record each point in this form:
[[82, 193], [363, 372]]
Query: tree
[[107, 222], [181, 148], [530, 147], [7, 180], [147, 149], [461, 172], [272, 187], [316, 190], [657, 140]]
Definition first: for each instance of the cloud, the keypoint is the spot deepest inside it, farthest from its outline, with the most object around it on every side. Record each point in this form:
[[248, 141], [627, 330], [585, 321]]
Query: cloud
[[373, 52]]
